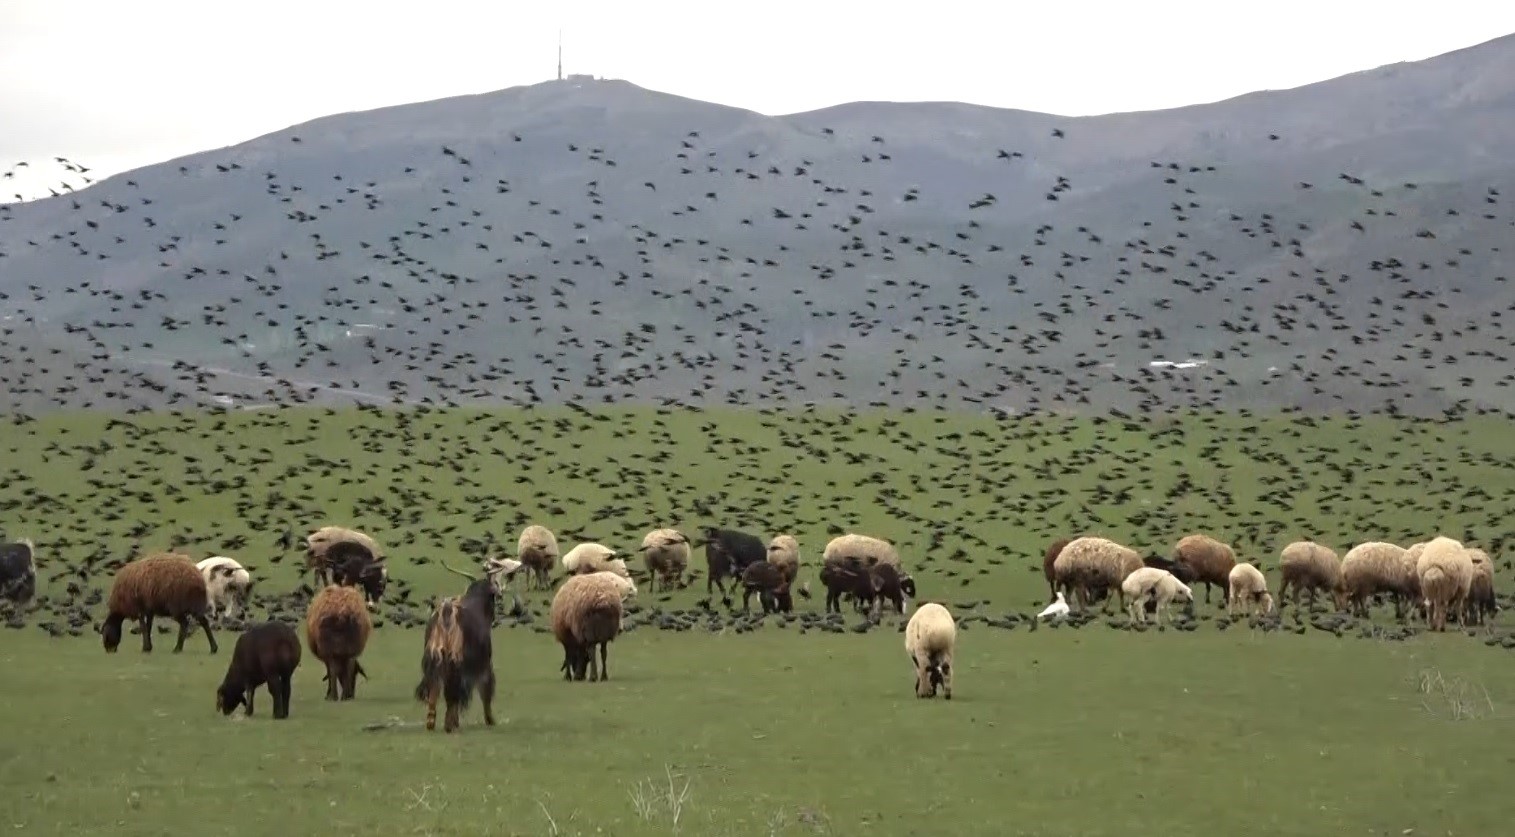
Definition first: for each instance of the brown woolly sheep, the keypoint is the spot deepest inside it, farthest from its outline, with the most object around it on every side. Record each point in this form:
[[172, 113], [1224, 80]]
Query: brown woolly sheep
[[1207, 559], [537, 549], [586, 612], [1481, 603], [318, 542], [1375, 567], [267, 653], [165, 584], [1048, 559], [784, 553], [767, 580], [1306, 566], [1446, 576], [337, 626], [1090, 564], [666, 555]]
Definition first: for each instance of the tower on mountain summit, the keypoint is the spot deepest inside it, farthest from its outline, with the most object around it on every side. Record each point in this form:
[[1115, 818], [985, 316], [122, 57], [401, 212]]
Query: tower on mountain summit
[[560, 55]]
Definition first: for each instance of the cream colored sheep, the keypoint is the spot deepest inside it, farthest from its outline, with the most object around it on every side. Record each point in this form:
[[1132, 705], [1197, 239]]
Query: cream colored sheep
[[1161, 586], [1446, 576], [866, 549], [1375, 567], [537, 548], [593, 558], [1309, 566], [1092, 564], [930, 639], [784, 553], [1248, 587], [666, 554]]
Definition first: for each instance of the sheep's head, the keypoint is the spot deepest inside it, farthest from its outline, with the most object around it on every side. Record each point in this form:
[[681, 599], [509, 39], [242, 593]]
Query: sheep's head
[[110, 634], [228, 698], [907, 585], [1267, 602]]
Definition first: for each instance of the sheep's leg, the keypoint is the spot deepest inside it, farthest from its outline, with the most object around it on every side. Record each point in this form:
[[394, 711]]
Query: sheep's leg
[[604, 661], [350, 680], [333, 675], [209, 637], [434, 689], [594, 669], [947, 681], [146, 626], [277, 689], [486, 696], [183, 621], [252, 690]]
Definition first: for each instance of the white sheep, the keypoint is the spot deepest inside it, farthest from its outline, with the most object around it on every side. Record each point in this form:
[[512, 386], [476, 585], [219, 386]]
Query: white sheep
[[1161, 586], [593, 558], [227, 585], [1248, 587], [866, 549], [1092, 564], [1445, 571], [930, 638]]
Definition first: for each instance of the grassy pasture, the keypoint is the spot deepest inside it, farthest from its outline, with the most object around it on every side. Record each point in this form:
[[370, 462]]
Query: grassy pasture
[[1058, 732]]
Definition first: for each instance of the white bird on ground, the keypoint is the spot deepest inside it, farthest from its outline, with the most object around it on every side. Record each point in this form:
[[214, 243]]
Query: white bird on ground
[[1056, 610]]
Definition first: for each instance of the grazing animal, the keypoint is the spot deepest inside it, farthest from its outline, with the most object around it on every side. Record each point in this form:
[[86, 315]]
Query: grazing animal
[[164, 584], [930, 639], [1310, 567], [727, 555], [1091, 564], [1248, 588], [1161, 587], [1207, 560], [1446, 576], [666, 555], [768, 582], [890, 585], [1375, 567], [458, 652], [228, 585], [1049, 558], [18, 572], [354, 565], [337, 626], [319, 543], [1481, 603], [594, 558], [586, 613], [537, 548], [784, 553], [847, 576], [268, 654]]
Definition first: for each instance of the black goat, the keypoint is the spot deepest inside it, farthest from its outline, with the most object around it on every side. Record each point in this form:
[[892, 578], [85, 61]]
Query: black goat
[[351, 564], [459, 653], [728, 554]]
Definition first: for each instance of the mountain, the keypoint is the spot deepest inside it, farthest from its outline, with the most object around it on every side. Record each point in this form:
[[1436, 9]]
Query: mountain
[[1333, 246]]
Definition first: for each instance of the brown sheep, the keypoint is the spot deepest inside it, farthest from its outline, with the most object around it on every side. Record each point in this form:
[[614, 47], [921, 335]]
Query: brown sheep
[[1048, 559], [1481, 603], [767, 580], [586, 612], [165, 584], [1208, 560], [337, 627], [1091, 564]]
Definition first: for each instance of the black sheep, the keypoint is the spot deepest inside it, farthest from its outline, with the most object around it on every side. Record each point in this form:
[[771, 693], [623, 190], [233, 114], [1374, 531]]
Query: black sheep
[[264, 654], [728, 553], [771, 585]]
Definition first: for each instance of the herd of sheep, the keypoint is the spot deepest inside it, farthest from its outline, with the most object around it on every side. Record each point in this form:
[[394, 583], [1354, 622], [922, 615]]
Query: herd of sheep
[[1438, 580]]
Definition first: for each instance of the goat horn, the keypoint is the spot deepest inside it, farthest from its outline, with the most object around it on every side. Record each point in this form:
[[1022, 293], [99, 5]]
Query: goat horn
[[469, 576]]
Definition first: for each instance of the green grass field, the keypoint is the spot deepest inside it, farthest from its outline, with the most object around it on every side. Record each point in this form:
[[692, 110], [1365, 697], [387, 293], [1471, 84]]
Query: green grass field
[[1058, 732]]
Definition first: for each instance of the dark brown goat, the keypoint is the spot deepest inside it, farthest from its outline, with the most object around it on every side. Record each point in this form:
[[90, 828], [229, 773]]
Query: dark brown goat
[[458, 654], [770, 583], [264, 654], [351, 564]]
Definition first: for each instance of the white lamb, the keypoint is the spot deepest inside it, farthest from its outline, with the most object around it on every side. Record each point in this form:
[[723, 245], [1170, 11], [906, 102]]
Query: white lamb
[[930, 637], [1156, 584], [227, 585]]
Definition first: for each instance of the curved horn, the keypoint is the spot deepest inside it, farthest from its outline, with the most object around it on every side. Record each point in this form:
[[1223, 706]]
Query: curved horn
[[468, 576]]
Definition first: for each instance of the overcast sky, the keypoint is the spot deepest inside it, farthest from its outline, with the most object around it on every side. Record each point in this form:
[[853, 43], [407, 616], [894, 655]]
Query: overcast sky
[[117, 85]]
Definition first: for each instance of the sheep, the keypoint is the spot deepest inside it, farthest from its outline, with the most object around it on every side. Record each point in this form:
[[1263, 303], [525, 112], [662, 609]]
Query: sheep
[[18, 572], [537, 548], [1090, 563], [1481, 603], [337, 626], [930, 639], [849, 577], [1248, 587], [666, 554], [317, 544], [1309, 566], [1048, 558], [586, 612], [264, 654], [727, 555], [1446, 575], [768, 581], [458, 652], [593, 558], [164, 584], [1209, 560], [227, 583], [354, 565], [784, 553], [1159, 586], [867, 549], [889, 584], [1377, 567]]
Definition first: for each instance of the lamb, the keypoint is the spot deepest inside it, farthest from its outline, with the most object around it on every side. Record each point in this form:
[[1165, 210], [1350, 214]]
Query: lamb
[[18, 572], [337, 626], [458, 652], [1309, 566], [846, 577], [727, 555], [1377, 567], [666, 554], [1209, 560], [264, 654], [930, 639], [320, 541], [784, 553], [227, 583], [1090, 563], [1159, 586], [1248, 587], [890, 585], [593, 558], [164, 584], [768, 581], [1446, 575], [586, 612], [537, 548], [1481, 603]]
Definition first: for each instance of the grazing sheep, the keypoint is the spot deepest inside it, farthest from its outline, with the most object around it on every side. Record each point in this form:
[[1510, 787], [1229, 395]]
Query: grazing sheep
[[890, 585], [867, 549], [18, 572], [768, 581], [784, 553], [666, 554], [337, 626], [847, 576], [165, 584], [353, 565], [1248, 587], [594, 558], [1207, 559], [586, 612], [227, 583], [320, 541], [1180, 571], [1481, 603], [930, 638], [1158, 586], [1375, 567], [1049, 558], [727, 555], [537, 548], [1089, 564], [1309, 566], [1446, 575], [458, 651], [264, 654]]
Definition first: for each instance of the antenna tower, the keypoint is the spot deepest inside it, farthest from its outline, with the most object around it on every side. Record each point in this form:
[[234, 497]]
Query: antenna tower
[[560, 55]]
